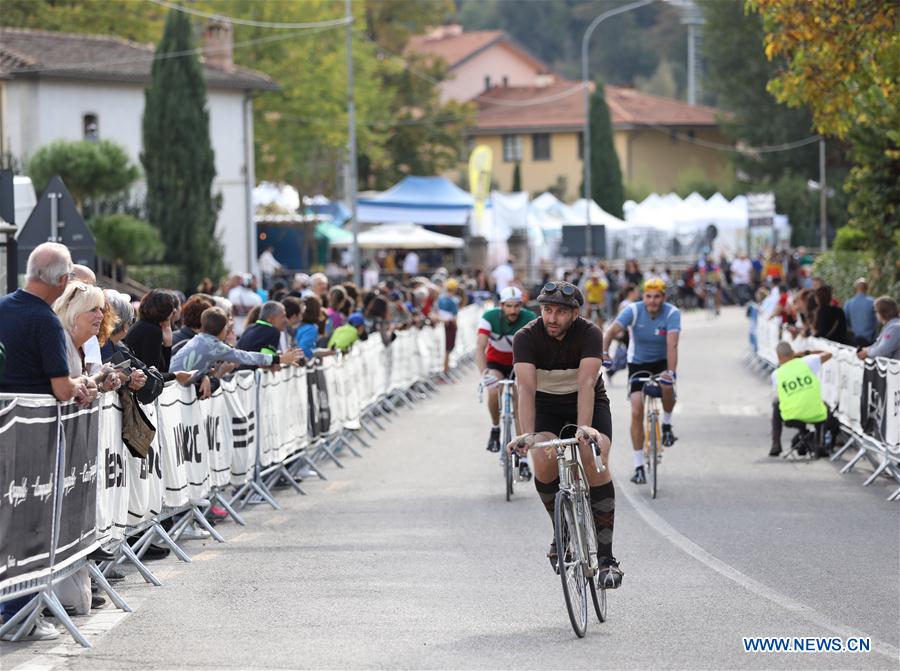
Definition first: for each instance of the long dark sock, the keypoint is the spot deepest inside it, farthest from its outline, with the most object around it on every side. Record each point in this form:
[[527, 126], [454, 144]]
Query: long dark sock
[[547, 491], [603, 507]]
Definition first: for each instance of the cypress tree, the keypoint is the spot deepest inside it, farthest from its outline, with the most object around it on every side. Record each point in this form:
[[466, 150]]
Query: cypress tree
[[606, 175], [517, 178], [178, 157]]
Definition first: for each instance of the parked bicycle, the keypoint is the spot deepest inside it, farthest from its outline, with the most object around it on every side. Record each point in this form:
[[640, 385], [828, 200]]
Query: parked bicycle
[[653, 446], [576, 537]]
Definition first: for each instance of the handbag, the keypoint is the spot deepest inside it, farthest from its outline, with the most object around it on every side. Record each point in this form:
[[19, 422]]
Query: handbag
[[137, 430]]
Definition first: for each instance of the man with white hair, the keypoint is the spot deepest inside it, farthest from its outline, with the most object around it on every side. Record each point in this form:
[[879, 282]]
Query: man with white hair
[[319, 285], [300, 286], [36, 361]]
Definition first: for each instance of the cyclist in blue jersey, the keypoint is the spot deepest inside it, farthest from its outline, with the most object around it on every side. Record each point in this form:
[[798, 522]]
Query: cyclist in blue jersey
[[654, 327]]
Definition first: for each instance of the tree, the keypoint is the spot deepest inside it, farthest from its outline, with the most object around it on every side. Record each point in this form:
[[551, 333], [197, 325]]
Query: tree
[[90, 170], [606, 175], [125, 239], [737, 73], [517, 178], [842, 60], [178, 157]]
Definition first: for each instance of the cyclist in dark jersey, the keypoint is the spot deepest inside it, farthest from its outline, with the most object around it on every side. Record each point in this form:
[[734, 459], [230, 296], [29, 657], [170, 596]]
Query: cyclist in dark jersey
[[557, 361], [494, 351]]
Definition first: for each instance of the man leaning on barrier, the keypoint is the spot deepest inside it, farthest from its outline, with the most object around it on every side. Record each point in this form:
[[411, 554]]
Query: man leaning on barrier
[[36, 361], [799, 403], [208, 350]]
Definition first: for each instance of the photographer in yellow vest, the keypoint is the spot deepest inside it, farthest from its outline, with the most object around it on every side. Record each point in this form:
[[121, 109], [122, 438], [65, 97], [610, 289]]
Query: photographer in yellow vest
[[796, 381]]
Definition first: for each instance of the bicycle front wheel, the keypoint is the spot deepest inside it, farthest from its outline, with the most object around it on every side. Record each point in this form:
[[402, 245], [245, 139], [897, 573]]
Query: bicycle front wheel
[[571, 563], [508, 460], [653, 454]]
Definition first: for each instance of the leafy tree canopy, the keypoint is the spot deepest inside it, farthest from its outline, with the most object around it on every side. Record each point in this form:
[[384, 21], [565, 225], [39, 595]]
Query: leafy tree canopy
[[89, 169], [125, 239]]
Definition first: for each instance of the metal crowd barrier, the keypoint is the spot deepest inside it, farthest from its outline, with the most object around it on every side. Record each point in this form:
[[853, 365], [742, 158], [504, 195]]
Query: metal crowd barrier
[[258, 429], [863, 395]]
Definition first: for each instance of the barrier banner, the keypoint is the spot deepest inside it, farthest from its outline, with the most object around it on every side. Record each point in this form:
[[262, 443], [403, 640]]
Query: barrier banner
[[282, 414], [217, 426], [872, 402], [77, 535], [114, 485], [892, 405], [240, 408], [178, 430], [28, 452]]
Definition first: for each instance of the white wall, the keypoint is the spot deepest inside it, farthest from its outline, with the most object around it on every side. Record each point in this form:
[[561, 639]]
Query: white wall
[[37, 112]]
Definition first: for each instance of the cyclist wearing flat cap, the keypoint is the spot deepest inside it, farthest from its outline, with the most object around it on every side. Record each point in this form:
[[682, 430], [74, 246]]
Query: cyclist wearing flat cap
[[557, 360]]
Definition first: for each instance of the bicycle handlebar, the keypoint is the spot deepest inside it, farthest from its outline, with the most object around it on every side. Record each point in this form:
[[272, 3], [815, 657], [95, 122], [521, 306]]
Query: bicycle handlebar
[[648, 377], [562, 443]]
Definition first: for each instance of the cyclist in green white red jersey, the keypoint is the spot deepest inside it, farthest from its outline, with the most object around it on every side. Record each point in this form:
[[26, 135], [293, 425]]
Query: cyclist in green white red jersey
[[494, 351]]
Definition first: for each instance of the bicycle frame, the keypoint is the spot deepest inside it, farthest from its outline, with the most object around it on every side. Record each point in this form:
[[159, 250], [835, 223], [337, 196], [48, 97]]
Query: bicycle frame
[[653, 446], [572, 479]]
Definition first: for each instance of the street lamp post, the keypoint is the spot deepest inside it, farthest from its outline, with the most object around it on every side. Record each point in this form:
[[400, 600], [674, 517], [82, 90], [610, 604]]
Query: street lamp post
[[586, 134], [351, 148]]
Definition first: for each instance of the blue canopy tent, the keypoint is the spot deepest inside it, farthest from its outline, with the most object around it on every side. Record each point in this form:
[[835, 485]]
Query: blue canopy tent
[[430, 201]]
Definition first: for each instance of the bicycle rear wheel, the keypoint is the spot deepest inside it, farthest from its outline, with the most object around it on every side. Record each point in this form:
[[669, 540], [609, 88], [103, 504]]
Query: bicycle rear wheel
[[571, 563], [653, 454], [508, 459]]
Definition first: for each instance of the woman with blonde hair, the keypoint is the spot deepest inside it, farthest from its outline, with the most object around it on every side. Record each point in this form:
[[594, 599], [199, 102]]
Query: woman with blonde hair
[[81, 311]]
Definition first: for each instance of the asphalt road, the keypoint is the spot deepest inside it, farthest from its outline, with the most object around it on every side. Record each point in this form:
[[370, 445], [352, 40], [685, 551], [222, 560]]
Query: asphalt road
[[410, 558]]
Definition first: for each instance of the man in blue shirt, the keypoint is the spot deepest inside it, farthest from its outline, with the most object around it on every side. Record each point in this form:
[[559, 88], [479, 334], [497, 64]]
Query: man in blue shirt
[[860, 311], [36, 362], [654, 327]]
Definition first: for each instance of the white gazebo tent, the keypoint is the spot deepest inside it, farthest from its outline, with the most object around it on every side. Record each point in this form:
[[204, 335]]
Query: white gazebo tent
[[403, 236]]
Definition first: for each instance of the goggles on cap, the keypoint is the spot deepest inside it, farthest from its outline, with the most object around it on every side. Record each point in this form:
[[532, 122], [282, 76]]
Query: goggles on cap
[[565, 289], [553, 287]]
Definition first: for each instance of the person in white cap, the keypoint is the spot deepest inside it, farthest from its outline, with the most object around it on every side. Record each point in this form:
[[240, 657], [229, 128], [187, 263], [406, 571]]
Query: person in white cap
[[494, 353]]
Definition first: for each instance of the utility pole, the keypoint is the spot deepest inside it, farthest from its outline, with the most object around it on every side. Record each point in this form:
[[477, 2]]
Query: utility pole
[[823, 198], [351, 147], [691, 17], [586, 132]]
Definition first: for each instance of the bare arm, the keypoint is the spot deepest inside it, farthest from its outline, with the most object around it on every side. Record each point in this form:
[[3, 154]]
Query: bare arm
[[672, 350], [481, 351], [614, 331], [64, 387], [526, 384], [588, 372]]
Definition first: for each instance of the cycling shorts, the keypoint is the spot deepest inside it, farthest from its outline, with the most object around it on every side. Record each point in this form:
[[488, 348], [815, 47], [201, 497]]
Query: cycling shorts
[[501, 368], [551, 416], [653, 367]]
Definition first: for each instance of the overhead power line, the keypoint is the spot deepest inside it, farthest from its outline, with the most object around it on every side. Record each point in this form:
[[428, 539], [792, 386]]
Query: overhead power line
[[329, 23], [749, 151]]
